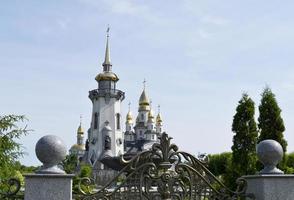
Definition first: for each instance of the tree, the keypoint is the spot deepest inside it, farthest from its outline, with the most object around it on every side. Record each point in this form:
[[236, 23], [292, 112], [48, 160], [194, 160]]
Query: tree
[[10, 149], [270, 122], [288, 168], [244, 141], [245, 138], [218, 163]]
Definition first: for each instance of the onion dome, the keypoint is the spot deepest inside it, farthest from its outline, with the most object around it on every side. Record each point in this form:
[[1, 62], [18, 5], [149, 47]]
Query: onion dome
[[78, 147], [129, 118], [80, 129], [107, 76], [158, 119], [150, 117], [144, 104]]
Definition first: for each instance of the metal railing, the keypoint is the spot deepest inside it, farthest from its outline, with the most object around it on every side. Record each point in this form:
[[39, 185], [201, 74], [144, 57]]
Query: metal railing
[[10, 189], [163, 172]]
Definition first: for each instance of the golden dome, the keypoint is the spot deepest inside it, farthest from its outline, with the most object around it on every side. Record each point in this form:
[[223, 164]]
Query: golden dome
[[79, 147], [150, 116], [129, 118], [80, 130], [144, 99], [107, 76], [144, 102], [158, 118]]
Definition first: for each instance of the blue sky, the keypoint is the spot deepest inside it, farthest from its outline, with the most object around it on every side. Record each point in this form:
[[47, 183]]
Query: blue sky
[[197, 57]]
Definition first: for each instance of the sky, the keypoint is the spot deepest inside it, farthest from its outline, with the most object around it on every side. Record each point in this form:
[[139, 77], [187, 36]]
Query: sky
[[197, 57]]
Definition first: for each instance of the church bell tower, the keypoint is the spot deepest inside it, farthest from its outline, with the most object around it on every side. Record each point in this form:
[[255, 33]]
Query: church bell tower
[[105, 136]]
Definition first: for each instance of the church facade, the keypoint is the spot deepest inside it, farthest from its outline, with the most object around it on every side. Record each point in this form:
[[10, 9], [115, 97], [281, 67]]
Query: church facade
[[106, 136]]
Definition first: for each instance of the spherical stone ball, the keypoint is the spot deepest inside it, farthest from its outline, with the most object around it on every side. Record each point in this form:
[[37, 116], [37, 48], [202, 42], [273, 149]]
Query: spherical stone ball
[[50, 150], [269, 152]]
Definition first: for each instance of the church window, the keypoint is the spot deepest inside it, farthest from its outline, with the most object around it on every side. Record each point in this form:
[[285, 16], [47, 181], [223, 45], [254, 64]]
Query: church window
[[117, 121], [96, 115], [152, 137], [142, 116]]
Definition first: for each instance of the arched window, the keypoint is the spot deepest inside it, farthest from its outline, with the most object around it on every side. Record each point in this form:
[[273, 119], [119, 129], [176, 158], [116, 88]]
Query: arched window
[[142, 116], [117, 121], [96, 115]]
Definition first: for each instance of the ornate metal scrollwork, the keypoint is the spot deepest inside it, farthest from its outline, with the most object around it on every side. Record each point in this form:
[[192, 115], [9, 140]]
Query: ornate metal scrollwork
[[163, 172], [10, 188]]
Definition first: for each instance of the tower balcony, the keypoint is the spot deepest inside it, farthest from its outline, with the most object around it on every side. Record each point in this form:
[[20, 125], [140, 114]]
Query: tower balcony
[[109, 93]]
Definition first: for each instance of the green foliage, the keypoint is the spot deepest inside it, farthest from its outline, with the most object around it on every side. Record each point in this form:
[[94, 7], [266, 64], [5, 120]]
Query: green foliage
[[70, 164], [289, 160], [270, 122], [245, 138], [10, 149], [231, 177], [218, 163], [288, 166], [85, 171]]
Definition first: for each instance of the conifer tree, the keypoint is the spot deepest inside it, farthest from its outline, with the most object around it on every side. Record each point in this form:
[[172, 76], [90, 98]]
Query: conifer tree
[[245, 138], [270, 122]]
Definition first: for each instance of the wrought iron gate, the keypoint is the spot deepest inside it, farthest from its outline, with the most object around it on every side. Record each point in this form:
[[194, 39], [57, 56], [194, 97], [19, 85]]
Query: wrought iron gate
[[163, 172], [10, 189]]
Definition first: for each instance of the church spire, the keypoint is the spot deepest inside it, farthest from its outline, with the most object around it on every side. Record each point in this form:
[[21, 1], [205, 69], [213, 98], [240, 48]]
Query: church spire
[[144, 103], [80, 129], [107, 64]]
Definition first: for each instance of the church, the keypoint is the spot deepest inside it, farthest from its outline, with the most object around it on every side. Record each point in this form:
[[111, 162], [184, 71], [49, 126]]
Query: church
[[106, 137]]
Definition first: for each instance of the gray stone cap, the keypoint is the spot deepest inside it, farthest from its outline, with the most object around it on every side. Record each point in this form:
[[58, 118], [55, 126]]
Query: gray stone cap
[[49, 175], [264, 176]]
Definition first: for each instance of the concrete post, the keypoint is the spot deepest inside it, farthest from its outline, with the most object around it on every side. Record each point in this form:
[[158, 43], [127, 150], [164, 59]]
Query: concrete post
[[48, 186], [270, 183], [50, 182], [270, 187]]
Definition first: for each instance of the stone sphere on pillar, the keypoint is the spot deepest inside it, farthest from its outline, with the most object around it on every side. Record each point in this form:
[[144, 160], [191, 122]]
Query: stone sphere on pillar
[[270, 153], [50, 150]]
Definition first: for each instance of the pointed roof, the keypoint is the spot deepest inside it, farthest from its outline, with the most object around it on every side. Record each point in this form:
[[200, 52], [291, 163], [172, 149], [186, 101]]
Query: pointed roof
[[150, 116], [144, 100], [129, 117], [158, 117], [107, 51], [80, 129], [107, 74]]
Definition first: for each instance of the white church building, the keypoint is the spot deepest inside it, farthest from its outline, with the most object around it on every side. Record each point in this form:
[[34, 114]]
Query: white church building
[[106, 137]]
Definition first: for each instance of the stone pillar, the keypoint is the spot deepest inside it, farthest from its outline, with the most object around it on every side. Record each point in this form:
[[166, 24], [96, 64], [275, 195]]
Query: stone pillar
[[49, 182], [270, 186], [270, 183], [48, 186]]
